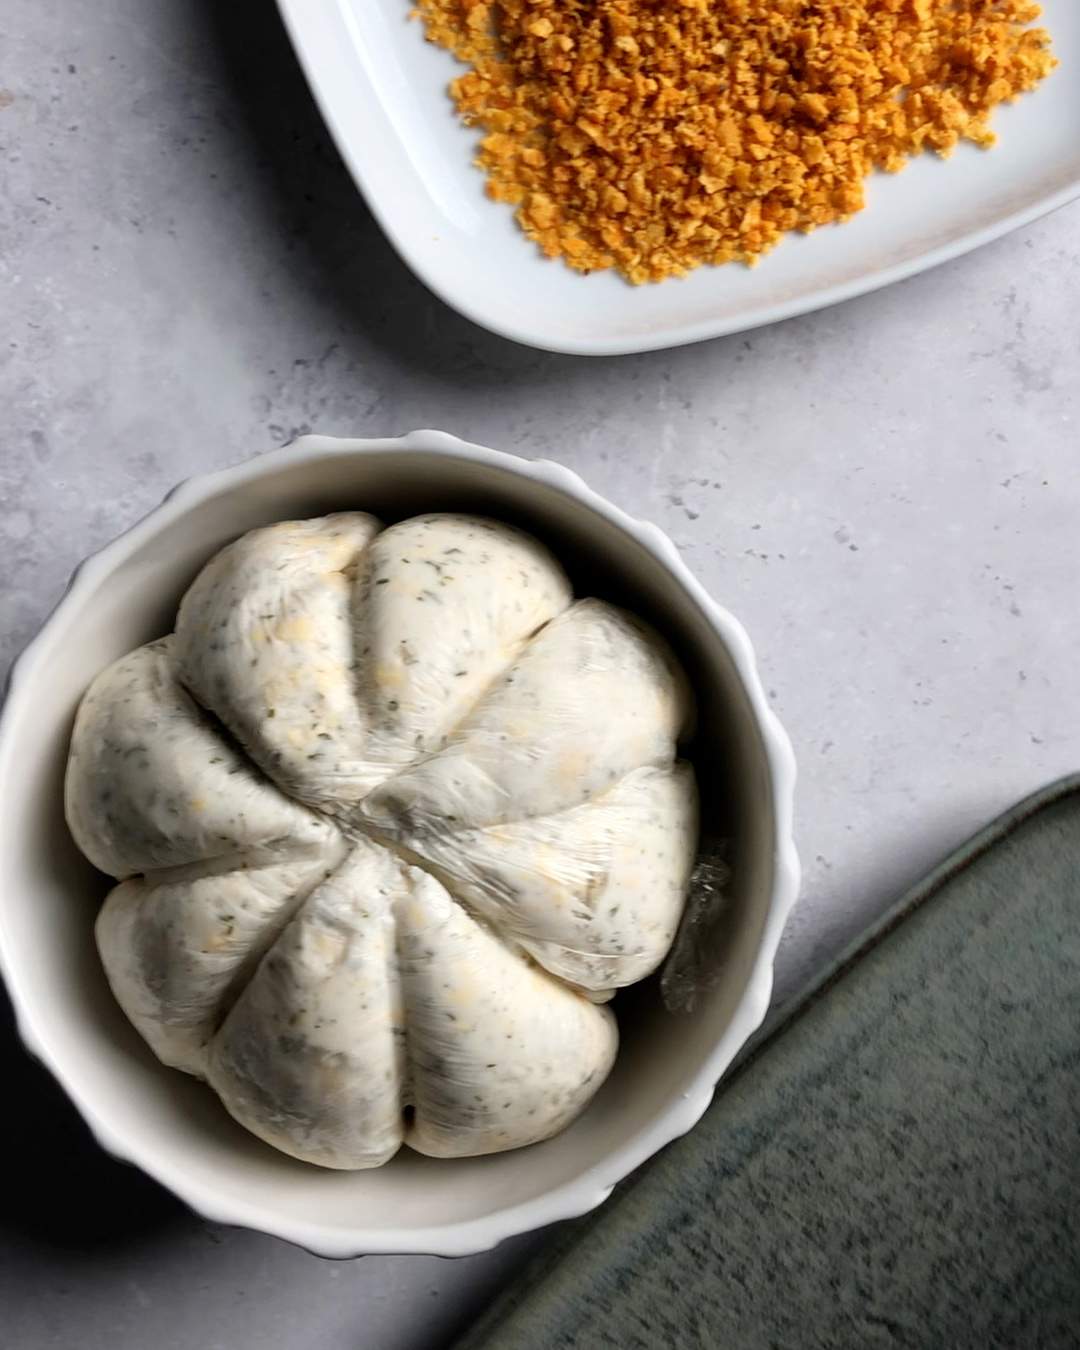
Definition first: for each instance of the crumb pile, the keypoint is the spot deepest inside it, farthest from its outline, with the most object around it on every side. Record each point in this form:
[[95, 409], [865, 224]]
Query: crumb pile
[[656, 135]]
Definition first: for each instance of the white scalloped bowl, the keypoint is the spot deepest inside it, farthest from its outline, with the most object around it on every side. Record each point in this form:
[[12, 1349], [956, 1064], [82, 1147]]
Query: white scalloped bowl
[[172, 1126]]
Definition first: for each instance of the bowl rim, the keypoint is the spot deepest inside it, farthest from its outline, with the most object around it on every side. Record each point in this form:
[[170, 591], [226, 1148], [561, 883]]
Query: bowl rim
[[590, 1188]]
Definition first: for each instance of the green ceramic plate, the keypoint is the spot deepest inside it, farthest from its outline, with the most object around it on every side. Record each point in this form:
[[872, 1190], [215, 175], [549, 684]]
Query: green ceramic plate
[[897, 1164]]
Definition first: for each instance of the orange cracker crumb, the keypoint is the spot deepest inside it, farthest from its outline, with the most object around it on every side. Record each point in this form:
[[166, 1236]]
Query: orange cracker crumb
[[656, 135]]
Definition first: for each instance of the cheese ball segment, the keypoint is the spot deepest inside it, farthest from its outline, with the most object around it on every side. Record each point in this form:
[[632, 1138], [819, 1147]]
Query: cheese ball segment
[[594, 894], [501, 1054], [312, 1056], [446, 605], [594, 696], [264, 640], [151, 782], [392, 816], [179, 946]]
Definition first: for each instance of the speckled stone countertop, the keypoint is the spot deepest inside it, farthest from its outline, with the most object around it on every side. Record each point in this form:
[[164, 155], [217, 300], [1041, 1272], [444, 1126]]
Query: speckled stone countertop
[[886, 493]]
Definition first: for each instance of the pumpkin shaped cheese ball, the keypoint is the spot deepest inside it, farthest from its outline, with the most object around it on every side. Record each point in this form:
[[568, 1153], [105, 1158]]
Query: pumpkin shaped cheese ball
[[392, 816]]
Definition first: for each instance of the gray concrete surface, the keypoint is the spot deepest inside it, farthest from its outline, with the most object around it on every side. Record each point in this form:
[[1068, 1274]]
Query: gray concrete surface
[[887, 493]]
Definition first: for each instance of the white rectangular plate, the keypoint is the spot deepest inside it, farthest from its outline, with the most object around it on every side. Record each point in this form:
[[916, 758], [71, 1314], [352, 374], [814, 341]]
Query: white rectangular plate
[[382, 91]]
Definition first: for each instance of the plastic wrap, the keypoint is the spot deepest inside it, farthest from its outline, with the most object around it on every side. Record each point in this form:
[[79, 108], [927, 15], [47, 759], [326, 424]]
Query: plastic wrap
[[694, 965], [456, 824]]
